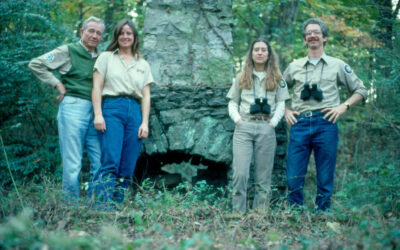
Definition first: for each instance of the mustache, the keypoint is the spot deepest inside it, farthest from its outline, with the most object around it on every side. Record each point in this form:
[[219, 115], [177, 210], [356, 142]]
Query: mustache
[[313, 39]]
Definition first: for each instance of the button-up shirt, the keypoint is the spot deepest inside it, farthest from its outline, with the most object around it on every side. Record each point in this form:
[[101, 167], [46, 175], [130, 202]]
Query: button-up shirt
[[241, 99], [123, 79], [328, 78]]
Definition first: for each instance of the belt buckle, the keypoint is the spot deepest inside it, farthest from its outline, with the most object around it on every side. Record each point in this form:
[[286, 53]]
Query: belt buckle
[[308, 114]]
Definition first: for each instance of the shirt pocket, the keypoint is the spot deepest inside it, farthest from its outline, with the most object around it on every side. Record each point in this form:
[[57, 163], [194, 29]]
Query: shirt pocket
[[328, 83], [136, 76], [298, 85], [247, 95]]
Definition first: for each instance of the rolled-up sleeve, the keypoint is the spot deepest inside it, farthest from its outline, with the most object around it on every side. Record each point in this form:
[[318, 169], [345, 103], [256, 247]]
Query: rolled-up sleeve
[[282, 93], [148, 77], [101, 63], [43, 66], [353, 84]]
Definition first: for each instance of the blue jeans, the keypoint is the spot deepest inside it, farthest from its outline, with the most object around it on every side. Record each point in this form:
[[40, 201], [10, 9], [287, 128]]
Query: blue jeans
[[308, 134], [76, 131], [120, 147]]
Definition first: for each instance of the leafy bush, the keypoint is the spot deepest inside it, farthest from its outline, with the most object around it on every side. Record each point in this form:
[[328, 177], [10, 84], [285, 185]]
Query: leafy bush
[[27, 107]]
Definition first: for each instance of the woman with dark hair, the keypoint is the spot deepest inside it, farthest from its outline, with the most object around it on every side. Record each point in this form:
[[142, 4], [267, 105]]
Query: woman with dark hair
[[121, 103], [257, 103]]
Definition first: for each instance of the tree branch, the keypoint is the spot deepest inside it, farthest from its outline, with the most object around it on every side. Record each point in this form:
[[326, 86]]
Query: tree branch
[[396, 11], [392, 125]]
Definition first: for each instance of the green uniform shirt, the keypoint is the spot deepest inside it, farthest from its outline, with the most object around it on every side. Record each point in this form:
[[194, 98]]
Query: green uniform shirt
[[334, 73]]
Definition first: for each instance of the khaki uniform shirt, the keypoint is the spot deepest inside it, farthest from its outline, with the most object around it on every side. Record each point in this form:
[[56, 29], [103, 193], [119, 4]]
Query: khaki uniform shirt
[[57, 59], [245, 97], [122, 79], [335, 73]]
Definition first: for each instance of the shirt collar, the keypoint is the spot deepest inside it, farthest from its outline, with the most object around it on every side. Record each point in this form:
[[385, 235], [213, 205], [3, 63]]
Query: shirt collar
[[116, 51], [92, 53], [325, 58], [304, 60], [132, 64], [257, 74]]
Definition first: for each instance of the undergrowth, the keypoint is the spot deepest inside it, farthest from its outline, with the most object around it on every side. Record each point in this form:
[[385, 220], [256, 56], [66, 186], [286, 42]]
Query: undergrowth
[[365, 212], [194, 217]]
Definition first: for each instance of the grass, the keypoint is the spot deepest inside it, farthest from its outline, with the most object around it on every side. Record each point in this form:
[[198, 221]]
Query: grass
[[365, 211], [188, 217]]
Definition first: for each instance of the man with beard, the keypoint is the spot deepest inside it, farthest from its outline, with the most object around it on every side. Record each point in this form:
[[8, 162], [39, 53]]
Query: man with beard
[[316, 107]]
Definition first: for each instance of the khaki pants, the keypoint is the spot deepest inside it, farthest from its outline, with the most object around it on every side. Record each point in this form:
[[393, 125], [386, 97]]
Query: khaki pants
[[258, 138]]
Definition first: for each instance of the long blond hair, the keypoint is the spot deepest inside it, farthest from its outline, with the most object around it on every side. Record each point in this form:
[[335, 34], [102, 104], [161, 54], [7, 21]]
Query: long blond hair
[[273, 73]]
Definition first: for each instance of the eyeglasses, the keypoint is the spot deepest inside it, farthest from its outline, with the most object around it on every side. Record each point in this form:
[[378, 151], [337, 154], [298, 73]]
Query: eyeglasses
[[316, 32]]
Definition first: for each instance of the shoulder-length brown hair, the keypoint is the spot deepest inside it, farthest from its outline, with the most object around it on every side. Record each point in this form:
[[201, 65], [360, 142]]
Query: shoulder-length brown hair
[[273, 73], [117, 31]]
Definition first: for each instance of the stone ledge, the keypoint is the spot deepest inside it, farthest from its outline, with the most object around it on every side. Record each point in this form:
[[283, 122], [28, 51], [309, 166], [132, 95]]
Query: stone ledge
[[183, 119]]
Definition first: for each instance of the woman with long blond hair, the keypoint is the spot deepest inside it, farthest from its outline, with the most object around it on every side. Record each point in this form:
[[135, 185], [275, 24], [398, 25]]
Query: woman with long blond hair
[[257, 104]]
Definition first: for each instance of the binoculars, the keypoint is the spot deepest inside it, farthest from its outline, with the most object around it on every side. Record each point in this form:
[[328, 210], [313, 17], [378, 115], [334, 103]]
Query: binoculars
[[314, 92], [260, 106]]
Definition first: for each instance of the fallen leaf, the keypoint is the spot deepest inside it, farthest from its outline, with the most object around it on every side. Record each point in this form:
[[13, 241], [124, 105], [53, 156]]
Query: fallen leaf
[[334, 226]]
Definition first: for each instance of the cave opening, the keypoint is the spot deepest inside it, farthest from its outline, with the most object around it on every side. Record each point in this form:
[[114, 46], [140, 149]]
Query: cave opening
[[195, 168]]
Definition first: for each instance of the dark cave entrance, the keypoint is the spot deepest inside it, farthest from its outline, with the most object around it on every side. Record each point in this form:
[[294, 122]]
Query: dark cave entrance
[[150, 166]]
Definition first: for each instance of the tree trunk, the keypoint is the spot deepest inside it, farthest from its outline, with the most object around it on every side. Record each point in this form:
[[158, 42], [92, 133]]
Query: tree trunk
[[80, 20], [283, 25], [288, 14], [113, 6], [385, 23], [384, 32]]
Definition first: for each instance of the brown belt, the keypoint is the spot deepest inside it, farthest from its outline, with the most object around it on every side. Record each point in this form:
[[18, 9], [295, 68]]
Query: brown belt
[[256, 117]]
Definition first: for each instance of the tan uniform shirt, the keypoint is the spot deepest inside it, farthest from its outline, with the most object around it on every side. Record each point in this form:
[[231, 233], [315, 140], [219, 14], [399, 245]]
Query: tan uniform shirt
[[58, 59], [122, 79], [334, 73], [243, 98]]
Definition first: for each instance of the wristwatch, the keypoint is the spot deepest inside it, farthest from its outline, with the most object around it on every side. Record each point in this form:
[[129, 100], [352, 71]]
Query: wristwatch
[[347, 105]]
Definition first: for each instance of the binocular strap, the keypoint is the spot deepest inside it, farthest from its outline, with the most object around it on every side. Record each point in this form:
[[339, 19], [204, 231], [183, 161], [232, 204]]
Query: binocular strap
[[320, 77], [254, 91]]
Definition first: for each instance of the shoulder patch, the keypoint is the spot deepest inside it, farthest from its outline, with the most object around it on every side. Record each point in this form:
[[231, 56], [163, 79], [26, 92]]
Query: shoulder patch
[[282, 84], [348, 69], [49, 57]]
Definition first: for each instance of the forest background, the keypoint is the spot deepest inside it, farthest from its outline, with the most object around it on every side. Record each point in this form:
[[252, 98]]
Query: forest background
[[366, 208]]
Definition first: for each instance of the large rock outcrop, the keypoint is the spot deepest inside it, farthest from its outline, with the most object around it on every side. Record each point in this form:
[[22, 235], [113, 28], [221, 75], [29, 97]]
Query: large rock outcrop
[[188, 44], [189, 41], [194, 120]]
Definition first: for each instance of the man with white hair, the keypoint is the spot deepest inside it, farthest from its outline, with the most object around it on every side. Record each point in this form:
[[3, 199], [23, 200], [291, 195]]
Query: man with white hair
[[75, 63]]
